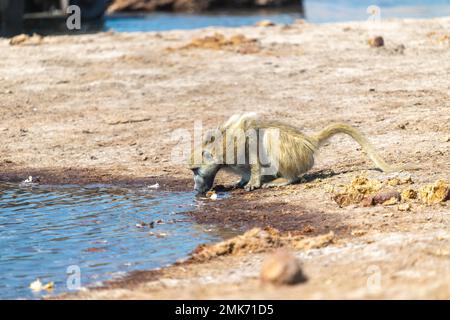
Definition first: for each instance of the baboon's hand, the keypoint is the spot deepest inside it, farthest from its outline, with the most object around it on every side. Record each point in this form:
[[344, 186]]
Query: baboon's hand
[[252, 186]]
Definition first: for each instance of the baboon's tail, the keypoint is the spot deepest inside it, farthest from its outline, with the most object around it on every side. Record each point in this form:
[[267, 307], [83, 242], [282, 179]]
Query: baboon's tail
[[333, 129]]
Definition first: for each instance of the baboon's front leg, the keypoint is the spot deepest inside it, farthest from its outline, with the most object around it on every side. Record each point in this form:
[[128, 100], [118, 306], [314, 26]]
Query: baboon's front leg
[[255, 178], [241, 183]]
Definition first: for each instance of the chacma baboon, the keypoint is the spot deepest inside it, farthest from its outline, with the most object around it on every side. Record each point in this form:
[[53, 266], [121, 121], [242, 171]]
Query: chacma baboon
[[242, 143]]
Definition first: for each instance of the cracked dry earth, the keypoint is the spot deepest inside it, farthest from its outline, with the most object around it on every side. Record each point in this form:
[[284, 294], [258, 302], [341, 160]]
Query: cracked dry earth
[[103, 107]]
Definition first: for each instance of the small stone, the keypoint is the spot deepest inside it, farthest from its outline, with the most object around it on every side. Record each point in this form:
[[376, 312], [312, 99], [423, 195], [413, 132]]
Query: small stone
[[376, 42], [161, 235], [49, 286], [265, 23], [154, 186], [367, 201], [36, 285], [28, 180], [358, 233], [408, 194], [21, 38], [24, 39], [403, 125], [399, 180], [400, 49], [404, 207], [386, 198], [282, 268], [390, 201]]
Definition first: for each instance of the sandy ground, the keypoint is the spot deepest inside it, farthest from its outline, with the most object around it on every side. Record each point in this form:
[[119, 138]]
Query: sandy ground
[[103, 107]]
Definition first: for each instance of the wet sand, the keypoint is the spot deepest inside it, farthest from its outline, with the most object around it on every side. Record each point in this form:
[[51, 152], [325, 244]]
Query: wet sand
[[102, 108]]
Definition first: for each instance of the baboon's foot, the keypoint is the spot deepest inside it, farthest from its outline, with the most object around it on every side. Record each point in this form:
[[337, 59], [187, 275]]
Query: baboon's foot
[[252, 186], [280, 182]]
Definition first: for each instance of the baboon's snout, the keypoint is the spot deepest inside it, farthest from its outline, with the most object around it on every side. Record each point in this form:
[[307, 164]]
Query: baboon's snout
[[202, 182]]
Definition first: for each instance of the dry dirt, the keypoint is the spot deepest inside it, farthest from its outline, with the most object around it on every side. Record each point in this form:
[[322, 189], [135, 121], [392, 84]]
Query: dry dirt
[[103, 107]]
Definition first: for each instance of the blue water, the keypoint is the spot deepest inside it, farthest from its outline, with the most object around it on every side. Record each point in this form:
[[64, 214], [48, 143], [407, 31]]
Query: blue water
[[323, 11], [171, 21], [100, 230], [316, 11]]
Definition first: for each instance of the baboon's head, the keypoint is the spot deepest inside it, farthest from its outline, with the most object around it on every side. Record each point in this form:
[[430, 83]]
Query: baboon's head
[[204, 176], [209, 157], [205, 164]]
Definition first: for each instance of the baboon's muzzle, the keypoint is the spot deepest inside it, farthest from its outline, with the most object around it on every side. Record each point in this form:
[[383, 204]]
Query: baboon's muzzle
[[204, 179]]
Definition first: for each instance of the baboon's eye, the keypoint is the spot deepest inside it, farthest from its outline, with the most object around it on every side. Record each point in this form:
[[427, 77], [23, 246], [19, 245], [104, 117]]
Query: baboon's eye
[[207, 156], [211, 139]]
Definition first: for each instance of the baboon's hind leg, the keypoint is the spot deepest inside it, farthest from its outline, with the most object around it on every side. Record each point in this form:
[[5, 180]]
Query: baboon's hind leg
[[280, 182]]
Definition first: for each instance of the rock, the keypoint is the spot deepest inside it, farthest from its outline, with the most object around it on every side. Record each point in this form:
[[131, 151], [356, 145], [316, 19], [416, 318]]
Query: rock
[[30, 181], [37, 286], [265, 23], [400, 49], [358, 233], [404, 207], [408, 194], [385, 198], [435, 193], [376, 42], [154, 186], [24, 39], [399, 181], [143, 224], [282, 268]]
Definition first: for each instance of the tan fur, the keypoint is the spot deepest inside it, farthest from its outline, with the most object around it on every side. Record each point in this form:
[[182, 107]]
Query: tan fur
[[294, 149]]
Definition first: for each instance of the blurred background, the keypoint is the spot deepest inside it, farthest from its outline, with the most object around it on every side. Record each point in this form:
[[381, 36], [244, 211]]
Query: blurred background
[[49, 16]]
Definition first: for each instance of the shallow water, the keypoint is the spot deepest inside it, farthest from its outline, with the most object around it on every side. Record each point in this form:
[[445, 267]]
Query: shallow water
[[179, 21], [316, 11], [46, 229]]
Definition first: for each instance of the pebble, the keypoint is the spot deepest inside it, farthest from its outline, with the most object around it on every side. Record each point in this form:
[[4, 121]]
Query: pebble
[[376, 42]]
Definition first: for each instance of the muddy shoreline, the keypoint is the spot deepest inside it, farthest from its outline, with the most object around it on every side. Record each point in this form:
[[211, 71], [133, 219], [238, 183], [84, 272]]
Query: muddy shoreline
[[49, 176], [102, 108]]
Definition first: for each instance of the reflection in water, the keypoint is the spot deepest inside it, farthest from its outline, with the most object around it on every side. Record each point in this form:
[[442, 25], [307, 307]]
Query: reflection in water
[[103, 230]]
